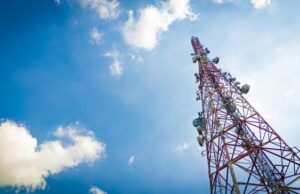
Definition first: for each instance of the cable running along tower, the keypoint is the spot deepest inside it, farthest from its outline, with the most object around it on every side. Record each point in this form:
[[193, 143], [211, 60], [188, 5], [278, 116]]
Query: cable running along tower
[[244, 153]]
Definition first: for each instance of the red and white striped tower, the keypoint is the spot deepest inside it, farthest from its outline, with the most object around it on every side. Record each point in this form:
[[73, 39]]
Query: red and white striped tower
[[244, 153]]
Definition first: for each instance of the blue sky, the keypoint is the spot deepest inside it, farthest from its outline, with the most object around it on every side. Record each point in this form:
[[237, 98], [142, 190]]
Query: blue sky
[[88, 71]]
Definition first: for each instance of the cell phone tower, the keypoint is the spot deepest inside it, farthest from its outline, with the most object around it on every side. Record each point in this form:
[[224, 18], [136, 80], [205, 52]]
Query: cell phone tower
[[244, 153]]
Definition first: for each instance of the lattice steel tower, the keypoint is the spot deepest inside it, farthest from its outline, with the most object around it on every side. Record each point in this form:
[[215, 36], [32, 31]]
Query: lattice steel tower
[[244, 153]]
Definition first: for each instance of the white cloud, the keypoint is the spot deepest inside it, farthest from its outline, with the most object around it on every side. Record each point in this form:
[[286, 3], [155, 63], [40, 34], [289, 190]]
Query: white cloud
[[58, 2], [96, 190], [218, 1], [25, 163], [182, 148], [136, 57], [106, 9], [258, 4], [116, 68], [131, 160], [144, 31], [95, 36], [290, 92]]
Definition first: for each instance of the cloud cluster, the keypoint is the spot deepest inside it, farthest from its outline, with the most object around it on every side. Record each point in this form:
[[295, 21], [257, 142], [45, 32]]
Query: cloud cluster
[[116, 68], [106, 9], [58, 2], [25, 163], [182, 148], [218, 1], [136, 57], [96, 190], [143, 32], [258, 4], [95, 36], [131, 160]]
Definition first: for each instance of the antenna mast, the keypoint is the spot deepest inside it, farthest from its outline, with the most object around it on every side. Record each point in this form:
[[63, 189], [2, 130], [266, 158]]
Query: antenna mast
[[244, 153]]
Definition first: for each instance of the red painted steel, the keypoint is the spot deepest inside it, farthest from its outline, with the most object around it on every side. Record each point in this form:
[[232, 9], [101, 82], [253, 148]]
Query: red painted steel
[[258, 159]]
